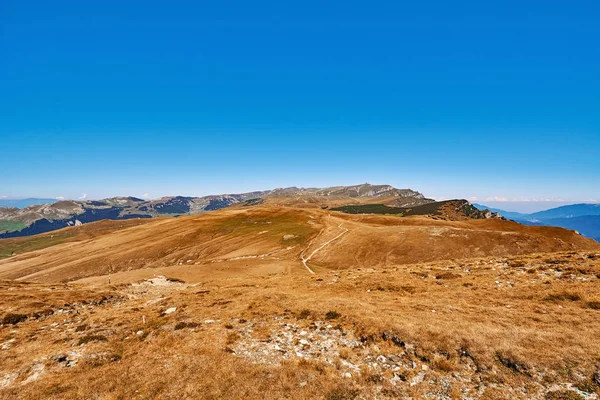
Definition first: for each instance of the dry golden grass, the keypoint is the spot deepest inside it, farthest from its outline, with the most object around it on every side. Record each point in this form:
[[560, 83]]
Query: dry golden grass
[[398, 308], [495, 330], [253, 240]]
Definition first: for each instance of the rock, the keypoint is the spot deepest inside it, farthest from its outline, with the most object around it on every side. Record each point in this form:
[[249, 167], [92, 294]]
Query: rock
[[170, 310], [139, 333], [7, 345], [417, 379], [289, 237], [596, 378]]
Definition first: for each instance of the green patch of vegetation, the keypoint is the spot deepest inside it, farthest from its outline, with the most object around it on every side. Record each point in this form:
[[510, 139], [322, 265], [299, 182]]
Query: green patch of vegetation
[[10, 247], [11, 226], [274, 226], [425, 209], [370, 209]]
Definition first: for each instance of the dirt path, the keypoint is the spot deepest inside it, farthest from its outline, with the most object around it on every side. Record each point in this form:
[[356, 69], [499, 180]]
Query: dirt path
[[306, 259]]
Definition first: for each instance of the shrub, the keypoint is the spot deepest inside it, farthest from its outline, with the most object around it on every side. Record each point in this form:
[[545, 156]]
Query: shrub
[[182, 325], [594, 305], [13, 319], [332, 315]]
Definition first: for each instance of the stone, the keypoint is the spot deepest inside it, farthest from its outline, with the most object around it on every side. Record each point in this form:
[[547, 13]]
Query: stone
[[170, 310]]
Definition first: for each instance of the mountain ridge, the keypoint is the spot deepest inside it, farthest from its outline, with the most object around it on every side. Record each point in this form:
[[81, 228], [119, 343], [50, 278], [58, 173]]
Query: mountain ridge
[[36, 219]]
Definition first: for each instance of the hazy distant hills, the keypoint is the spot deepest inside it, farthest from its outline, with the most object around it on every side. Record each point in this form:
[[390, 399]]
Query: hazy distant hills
[[583, 218], [22, 203], [39, 218]]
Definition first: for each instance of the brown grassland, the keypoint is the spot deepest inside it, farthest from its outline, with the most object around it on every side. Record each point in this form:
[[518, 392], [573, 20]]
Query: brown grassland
[[221, 306]]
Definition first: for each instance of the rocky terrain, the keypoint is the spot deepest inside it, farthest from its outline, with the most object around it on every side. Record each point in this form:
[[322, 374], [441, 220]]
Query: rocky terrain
[[485, 328], [37, 219]]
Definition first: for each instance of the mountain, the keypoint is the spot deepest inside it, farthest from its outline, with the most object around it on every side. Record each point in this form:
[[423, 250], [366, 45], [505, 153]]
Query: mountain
[[22, 203], [570, 211], [37, 219], [583, 218]]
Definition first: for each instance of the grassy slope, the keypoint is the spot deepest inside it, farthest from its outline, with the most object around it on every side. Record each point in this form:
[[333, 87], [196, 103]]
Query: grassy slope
[[238, 238], [11, 226], [14, 246]]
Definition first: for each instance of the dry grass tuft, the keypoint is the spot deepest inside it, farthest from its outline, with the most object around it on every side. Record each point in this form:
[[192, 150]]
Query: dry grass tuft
[[594, 305], [563, 296], [332, 315], [92, 338], [342, 393], [183, 325], [564, 395], [13, 319]]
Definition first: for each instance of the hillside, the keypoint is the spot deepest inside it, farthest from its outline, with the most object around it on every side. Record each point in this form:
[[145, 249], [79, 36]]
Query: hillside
[[262, 300], [274, 238], [35, 219]]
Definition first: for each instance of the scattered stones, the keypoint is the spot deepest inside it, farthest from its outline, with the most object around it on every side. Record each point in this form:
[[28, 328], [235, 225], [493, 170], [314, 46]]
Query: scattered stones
[[8, 344]]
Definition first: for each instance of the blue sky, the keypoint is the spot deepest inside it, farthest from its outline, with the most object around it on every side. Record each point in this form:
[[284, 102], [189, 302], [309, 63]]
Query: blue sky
[[490, 100]]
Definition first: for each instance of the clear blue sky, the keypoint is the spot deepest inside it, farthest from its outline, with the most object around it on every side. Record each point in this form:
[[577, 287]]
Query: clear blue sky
[[455, 99]]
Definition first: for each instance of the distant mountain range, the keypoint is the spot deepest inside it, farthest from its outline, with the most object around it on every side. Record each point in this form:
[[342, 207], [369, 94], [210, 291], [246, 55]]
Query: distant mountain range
[[583, 218], [22, 203], [34, 219]]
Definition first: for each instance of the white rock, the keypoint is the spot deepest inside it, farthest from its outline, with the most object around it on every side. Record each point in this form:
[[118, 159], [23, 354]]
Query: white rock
[[170, 310], [139, 333]]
